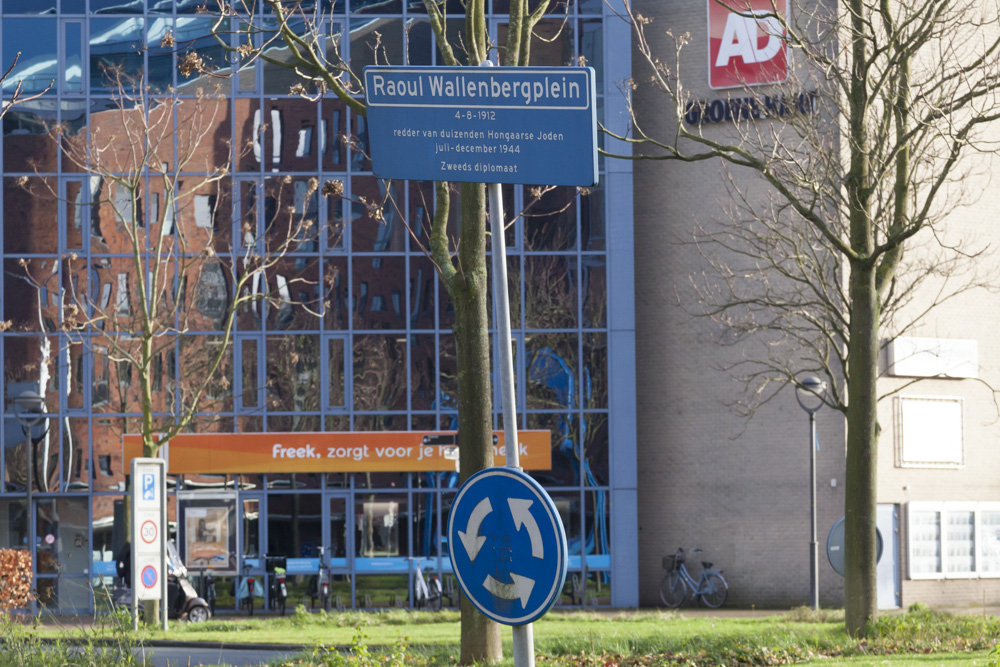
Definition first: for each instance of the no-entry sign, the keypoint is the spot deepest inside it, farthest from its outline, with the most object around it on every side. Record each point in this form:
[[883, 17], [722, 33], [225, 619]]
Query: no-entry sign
[[483, 124]]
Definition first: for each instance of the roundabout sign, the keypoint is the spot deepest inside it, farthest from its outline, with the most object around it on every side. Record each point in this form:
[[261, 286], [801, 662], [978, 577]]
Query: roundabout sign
[[508, 545]]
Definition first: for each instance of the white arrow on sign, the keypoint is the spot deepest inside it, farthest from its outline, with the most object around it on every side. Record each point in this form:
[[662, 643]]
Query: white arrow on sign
[[519, 509], [472, 540], [519, 589]]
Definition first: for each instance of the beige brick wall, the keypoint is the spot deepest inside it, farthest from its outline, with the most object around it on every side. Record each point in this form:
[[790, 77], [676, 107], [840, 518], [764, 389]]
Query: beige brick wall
[[738, 490]]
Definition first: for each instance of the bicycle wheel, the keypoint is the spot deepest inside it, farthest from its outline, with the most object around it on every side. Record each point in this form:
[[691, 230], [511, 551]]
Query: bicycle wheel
[[715, 590], [673, 590]]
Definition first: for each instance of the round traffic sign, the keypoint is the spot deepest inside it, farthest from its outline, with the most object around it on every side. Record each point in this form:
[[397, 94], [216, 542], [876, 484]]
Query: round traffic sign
[[835, 542], [508, 545], [148, 531], [148, 576], [50, 539]]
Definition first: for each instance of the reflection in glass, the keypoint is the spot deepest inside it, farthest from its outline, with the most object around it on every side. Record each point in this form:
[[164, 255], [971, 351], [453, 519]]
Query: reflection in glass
[[378, 287], [15, 534], [293, 373], [160, 74], [73, 60], [552, 42], [25, 144], [565, 469], [102, 546], [595, 291], [595, 370], [250, 535], [597, 542], [63, 527], [33, 200], [75, 455], [592, 48], [37, 66], [29, 6], [550, 284], [249, 379], [368, 232], [550, 220], [116, 47], [381, 591], [425, 525], [419, 41], [336, 299], [337, 386], [592, 220], [552, 371], [194, 35], [294, 525], [379, 372], [595, 448], [423, 374], [421, 293], [598, 589], [568, 505], [73, 123], [332, 132], [376, 41], [382, 528]]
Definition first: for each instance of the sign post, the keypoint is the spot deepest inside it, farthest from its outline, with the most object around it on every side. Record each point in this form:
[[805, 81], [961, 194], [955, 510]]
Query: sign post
[[149, 535], [508, 550], [493, 125]]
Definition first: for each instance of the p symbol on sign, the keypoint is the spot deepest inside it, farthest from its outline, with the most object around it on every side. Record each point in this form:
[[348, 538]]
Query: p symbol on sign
[[148, 486]]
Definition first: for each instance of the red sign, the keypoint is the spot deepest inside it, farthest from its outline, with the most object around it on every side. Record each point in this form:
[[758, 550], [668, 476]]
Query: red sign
[[746, 43], [148, 532]]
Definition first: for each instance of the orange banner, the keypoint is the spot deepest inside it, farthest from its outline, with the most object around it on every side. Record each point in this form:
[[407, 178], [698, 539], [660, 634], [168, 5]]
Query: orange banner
[[375, 451]]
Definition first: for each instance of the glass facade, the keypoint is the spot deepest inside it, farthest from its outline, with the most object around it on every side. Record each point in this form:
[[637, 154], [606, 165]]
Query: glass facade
[[359, 339]]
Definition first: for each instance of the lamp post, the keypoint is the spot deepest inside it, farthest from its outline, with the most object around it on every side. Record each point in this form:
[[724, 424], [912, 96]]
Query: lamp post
[[29, 410], [809, 393]]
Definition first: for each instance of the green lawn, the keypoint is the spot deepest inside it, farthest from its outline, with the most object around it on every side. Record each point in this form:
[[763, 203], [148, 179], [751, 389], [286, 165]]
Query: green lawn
[[979, 658], [630, 639]]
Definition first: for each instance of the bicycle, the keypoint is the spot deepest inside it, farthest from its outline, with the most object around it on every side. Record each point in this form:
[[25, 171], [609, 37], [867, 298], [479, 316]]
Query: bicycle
[[711, 587], [250, 582], [425, 592]]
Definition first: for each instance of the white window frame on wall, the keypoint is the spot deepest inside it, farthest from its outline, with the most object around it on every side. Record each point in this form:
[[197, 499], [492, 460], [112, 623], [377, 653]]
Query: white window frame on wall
[[946, 508], [900, 432]]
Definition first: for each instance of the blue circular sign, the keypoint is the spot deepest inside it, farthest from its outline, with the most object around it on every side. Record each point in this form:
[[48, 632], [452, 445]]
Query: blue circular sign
[[148, 576], [508, 545]]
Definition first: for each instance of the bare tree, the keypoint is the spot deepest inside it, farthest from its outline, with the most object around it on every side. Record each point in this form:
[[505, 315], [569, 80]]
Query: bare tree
[[861, 155], [179, 269]]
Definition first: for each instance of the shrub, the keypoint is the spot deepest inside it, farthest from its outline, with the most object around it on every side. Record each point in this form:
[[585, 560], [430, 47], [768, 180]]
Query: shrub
[[15, 578]]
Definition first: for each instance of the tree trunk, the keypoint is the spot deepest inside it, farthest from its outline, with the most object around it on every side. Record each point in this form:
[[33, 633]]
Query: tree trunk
[[480, 636], [862, 454]]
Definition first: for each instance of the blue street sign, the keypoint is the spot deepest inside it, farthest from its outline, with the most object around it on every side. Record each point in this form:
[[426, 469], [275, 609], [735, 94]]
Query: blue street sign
[[483, 124], [148, 486], [508, 545], [148, 576]]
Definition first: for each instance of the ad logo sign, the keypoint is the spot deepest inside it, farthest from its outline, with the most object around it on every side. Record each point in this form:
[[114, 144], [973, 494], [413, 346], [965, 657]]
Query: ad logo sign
[[746, 45]]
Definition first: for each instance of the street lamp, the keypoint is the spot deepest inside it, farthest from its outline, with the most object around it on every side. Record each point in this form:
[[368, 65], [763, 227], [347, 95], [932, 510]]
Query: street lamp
[[29, 410], [809, 393]]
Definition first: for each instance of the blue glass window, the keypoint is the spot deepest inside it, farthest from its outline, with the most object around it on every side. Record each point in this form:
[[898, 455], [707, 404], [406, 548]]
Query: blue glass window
[[115, 45], [38, 65]]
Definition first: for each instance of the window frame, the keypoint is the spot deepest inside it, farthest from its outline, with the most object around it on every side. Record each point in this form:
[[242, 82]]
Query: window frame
[[944, 508], [901, 460]]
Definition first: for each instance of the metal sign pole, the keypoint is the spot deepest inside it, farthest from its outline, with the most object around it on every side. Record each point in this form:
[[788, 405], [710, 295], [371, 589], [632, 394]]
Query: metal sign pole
[[164, 527], [524, 642], [501, 301]]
